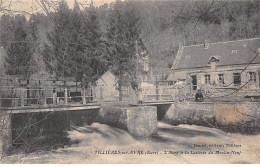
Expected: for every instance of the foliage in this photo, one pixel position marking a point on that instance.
(88, 41)
(122, 34)
(75, 43)
(20, 47)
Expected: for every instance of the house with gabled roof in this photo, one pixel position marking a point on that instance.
(108, 84)
(231, 64)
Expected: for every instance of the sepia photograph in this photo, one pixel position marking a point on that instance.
(129, 81)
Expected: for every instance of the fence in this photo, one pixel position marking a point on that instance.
(70, 95)
(158, 93)
(222, 91)
(29, 96)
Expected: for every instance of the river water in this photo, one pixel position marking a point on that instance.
(101, 143)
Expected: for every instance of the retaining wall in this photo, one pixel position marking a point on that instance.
(5, 133)
(230, 116)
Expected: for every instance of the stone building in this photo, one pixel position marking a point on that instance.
(107, 84)
(231, 64)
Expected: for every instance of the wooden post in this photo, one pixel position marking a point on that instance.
(160, 92)
(66, 96)
(45, 99)
(101, 95)
(84, 96)
(94, 96)
(174, 94)
(157, 89)
(22, 97)
(54, 97)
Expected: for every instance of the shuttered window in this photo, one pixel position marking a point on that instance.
(207, 79)
(252, 76)
(221, 79)
(237, 78)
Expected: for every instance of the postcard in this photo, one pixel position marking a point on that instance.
(129, 82)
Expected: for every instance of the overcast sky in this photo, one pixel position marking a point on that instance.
(31, 6)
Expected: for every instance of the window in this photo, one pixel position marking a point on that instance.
(221, 79)
(237, 78)
(207, 79)
(234, 51)
(170, 82)
(252, 76)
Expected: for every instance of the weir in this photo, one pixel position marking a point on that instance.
(139, 121)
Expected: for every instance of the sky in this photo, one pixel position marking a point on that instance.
(31, 6)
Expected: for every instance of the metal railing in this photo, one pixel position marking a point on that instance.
(53, 96)
(220, 91)
(25, 96)
(161, 93)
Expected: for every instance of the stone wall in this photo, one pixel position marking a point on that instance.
(240, 117)
(50, 123)
(139, 121)
(38, 128)
(5, 133)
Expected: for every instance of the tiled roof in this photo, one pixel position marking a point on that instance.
(228, 53)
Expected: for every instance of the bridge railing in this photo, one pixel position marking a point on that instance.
(160, 93)
(22, 96)
(59, 95)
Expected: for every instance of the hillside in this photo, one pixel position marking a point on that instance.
(164, 24)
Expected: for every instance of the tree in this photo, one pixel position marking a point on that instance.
(59, 40)
(19, 57)
(7, 28)
(34, 37)
(122, 33)
(76, 45)
(97, 45)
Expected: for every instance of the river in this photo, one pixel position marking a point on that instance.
(187, 144)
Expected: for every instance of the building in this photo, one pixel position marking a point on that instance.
(107, 83)
(231, 64)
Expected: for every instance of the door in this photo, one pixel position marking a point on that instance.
(194, 82)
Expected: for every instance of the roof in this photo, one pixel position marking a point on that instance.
(229, 53)
(170, 77)
(102, 76)
(125, 79)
